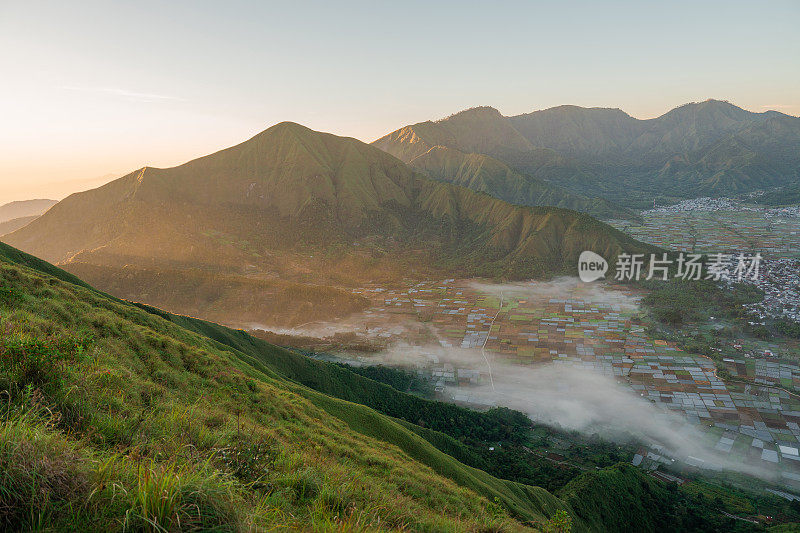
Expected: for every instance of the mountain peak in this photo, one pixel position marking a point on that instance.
(475, 113)
(708, 108)
(285, 128)
(291, 187)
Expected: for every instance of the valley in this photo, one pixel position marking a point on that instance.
(380, 267)
(727, 225)
(487, 345)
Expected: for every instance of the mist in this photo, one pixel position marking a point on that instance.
(559, 394)
(565, 395)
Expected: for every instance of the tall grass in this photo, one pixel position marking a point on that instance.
(114, 419)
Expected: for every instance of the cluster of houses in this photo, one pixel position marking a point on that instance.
(780, 280)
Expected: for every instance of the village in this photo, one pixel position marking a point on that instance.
(779, 279)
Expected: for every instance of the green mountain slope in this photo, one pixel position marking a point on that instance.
(130, 409)
(120, 416)
(482, 173)
(707, 148)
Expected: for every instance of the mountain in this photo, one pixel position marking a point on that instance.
(787, 195)
(309, 208)
(120, 417)
(711, 148)
(24, 208)
(15, 223)
(483, 173)
(470, 148)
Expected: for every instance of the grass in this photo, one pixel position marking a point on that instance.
(122, 417)
(116, 419)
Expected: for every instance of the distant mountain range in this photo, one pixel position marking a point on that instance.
(15, 215)
(15, 223)
(24, 208)
(303, 207)
(711, 148)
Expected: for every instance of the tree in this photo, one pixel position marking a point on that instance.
(560, 522)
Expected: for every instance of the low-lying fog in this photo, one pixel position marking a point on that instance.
(558, 394)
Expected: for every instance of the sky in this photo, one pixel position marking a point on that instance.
(92, 90)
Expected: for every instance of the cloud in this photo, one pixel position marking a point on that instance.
(126, 94)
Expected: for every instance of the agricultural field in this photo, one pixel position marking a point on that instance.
(705, 225)
(453, 332)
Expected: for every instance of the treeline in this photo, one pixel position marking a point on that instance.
(676, 302)
(398, 378)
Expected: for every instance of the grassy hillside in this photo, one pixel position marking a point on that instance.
(118, 418)
(148, 419)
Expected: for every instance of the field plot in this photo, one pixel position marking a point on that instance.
(719, 225)
(591, 328)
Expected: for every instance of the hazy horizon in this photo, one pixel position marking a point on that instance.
(95, 91)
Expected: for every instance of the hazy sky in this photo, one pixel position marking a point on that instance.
(93, 90)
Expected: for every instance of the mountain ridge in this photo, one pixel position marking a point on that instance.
(291, 177)
(604, 152)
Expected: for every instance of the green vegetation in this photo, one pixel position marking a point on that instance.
(677, 302)
(704, 317)
(398, 378)
(788, 328)
(787, 195)
(614, 499)
(114, 418)
(120, 416)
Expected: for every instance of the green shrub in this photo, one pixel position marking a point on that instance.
(36, 360)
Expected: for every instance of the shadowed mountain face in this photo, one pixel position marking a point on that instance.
(307, 207)
(483, 173)
(709, 148)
